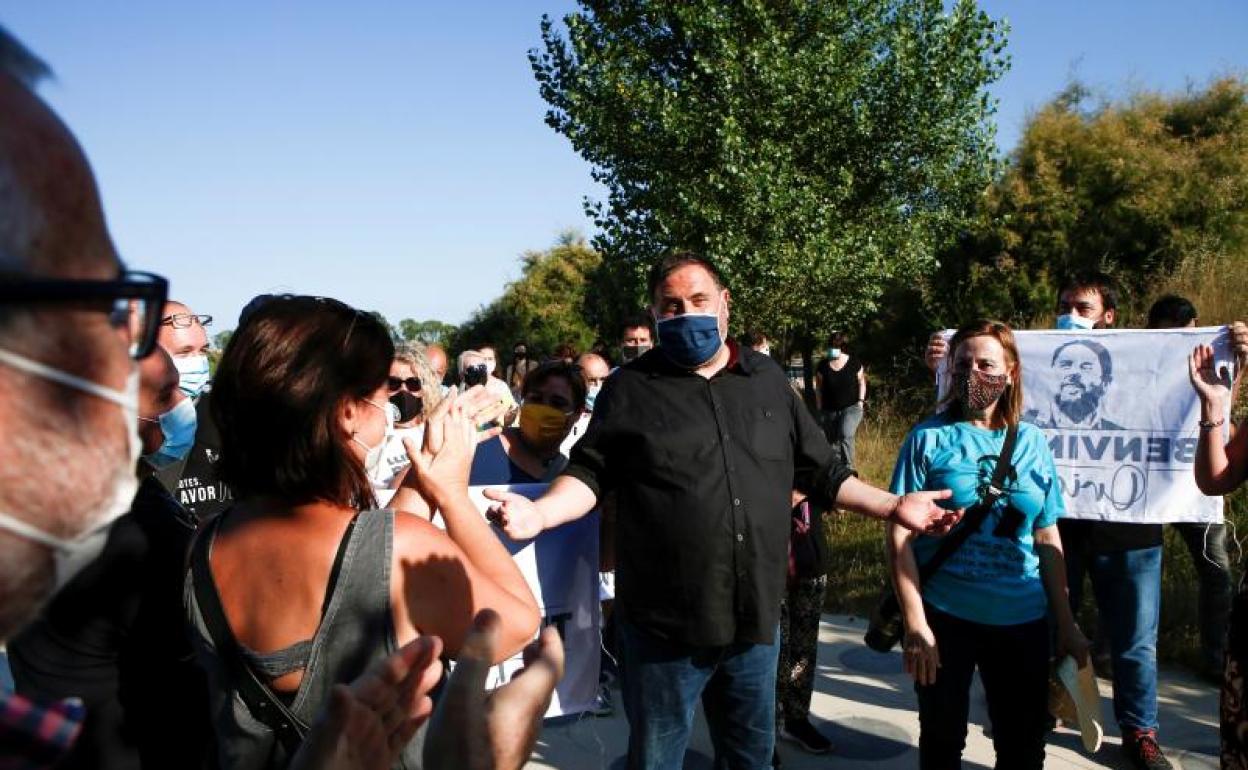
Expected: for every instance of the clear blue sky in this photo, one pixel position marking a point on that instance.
(393, 154)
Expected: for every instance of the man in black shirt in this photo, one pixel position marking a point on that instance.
(192, 480)
(703, 442)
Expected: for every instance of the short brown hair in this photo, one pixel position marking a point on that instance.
(1012, 398)
(571, 373)
(277, 393)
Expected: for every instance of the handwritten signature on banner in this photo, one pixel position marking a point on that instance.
(1114, 468)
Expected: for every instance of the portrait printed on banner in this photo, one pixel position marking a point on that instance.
(1082, 371)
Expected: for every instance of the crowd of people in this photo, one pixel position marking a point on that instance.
(275, 561)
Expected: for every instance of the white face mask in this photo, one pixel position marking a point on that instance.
(373, 454)
(70, 555)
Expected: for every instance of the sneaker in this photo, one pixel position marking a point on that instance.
(603, 706)
(804, 733)
(1142, 749)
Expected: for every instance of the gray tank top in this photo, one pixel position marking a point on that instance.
(356, 630)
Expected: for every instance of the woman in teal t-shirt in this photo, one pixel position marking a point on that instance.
(988, 605)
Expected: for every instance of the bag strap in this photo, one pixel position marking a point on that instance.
(974, 517)
(263, 704)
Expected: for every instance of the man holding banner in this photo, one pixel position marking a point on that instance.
(702, 440)
(1122, 425)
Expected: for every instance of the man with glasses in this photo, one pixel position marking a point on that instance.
(193, 480)
(72, 323)
(184, 338)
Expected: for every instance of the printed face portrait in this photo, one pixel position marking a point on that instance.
(1082, 369)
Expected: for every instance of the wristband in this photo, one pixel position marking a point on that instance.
(1210, 425)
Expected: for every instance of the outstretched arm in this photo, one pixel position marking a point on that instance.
(567, 499)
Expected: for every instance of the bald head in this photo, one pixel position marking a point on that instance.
(594, 368)
(51, 221)
(52, 225)
(437, 360)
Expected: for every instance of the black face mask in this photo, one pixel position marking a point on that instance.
(410, 405)
(520, 354)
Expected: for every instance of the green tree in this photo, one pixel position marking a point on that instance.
(817, 151)
(428, 332)
(544, 307)
(1140, 187)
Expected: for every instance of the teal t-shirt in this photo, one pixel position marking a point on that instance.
(994, 577)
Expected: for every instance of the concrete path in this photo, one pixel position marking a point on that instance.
(865, 703)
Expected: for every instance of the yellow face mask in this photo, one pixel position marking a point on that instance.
(542, 426)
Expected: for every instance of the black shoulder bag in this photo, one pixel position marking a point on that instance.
(264, 705)
(885, 628)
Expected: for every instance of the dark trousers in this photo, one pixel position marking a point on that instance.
(1013, 663)
(1207, 545)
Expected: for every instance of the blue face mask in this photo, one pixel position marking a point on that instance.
(178, 425)
(1072, 321)
(192, 374)
(690, 340)
(591, 395)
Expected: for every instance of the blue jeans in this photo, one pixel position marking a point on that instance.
(661, 682)
(1127, 585)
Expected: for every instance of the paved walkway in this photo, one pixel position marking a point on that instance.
(866, 705)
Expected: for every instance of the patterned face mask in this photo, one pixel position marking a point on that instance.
(978, 390)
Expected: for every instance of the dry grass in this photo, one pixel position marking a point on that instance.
(857, 544)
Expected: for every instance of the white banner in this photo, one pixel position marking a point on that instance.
(1121, 417)
(561, 567)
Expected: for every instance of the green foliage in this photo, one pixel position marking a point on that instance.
(818, 152)
(545, 307)
(1142, 188)
(221, 339)
(428, 332)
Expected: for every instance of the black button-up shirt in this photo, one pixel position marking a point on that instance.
(703, 471)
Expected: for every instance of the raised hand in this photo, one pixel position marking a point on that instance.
(367, 724)
(919, 512)
(1213, 387)
(443, 462)
(476, 730)
(937, 349)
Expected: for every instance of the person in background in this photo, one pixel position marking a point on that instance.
(841, 395)
(473, 370)
(554, 395)
(800, 609)
(521, 364)
(594, 370)
(599, 348)
(438, 362)
(499, 388)
(1221, 467)
(414, 392)
(565, 353)
(114, 636)
(1122, 559)
(1206, 541)
(755, 340)
(192, 478)
(635, 338)
(704, 502)
(983, 608)
(184, 336)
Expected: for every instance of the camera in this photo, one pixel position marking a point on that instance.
(475, 375)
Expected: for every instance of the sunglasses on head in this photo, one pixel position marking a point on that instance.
(412, 383)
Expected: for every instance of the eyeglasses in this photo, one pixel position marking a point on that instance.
(186, 320)
(412, 383)
(133, 302)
